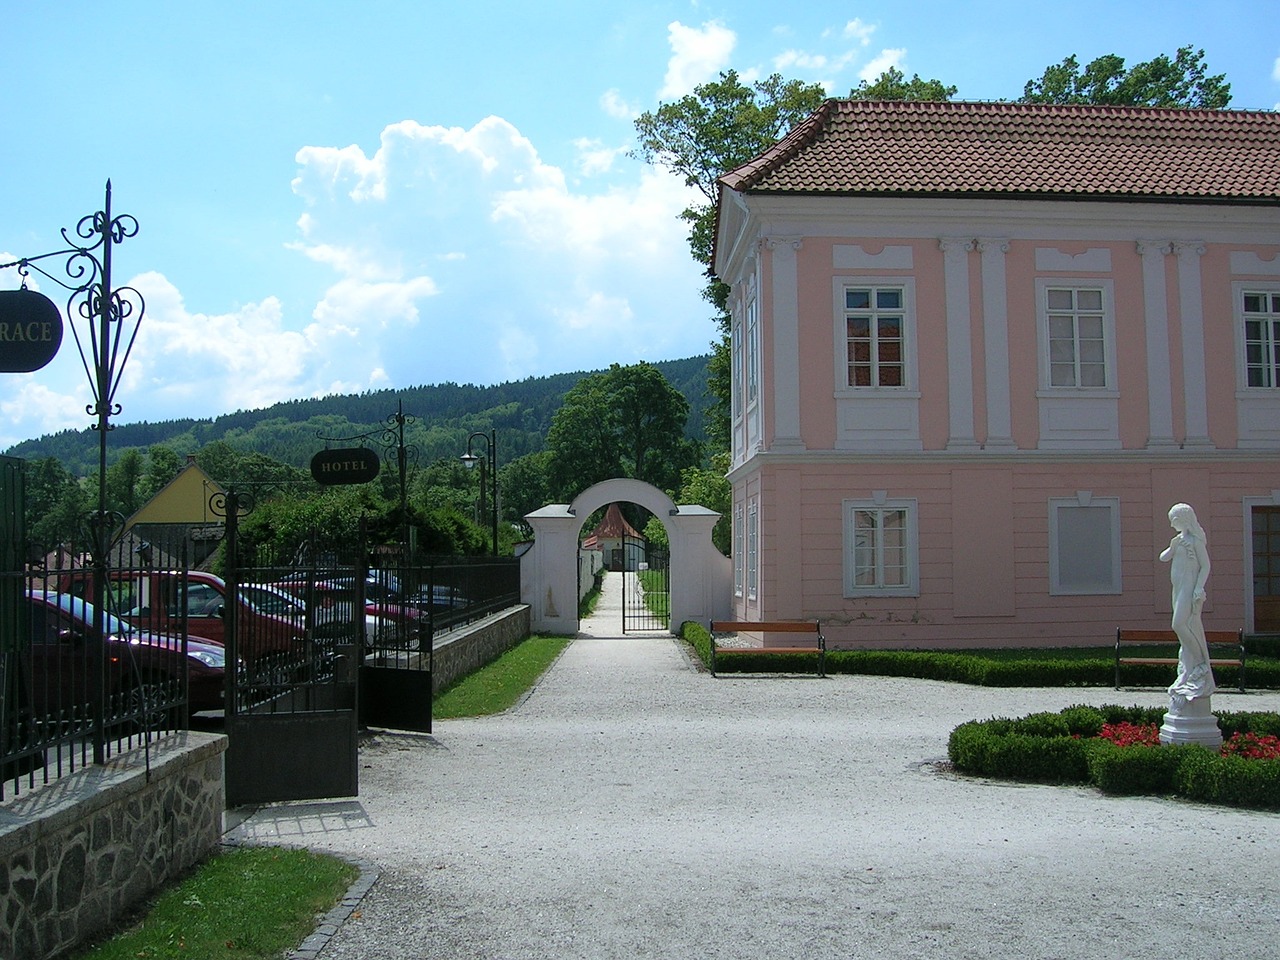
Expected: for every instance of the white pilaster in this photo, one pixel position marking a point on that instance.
(955, 252)
(1156, 320)
(786, 344)
(995, 329)
(1191, 304)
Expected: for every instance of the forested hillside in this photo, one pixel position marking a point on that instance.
(441, 418)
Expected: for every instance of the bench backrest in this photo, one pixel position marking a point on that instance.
(1168, 636)
(778, 626)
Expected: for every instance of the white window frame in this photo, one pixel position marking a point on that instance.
(1270, 340)
(881, 505)
(1058, 508)
(753, 549)
(1107, 288)
(736, 386)
(908, 311)
(739, 550)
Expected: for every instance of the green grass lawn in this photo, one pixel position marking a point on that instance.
(498, 686)
(249, 903)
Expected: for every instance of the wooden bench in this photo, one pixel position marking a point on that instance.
(1234, 638)
(773, 626)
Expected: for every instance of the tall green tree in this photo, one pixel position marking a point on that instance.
(626, 422)
(124, 481)
(894, 85)
(56, 503)
(721, 125)
(1160, 82)
(163, 464)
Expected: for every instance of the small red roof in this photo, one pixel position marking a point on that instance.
(613, 525)
(1021, 150)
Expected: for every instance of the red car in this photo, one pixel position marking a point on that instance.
(138, 664)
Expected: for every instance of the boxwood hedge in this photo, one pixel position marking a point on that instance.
(1064, 748)
(1094, 667)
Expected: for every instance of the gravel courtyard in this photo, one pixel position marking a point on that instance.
(632, 807)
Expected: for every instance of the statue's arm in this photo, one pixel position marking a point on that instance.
(1202, 576)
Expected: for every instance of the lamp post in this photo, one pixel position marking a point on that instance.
(488, 464)
(104, 320)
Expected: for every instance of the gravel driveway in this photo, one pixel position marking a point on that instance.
(634, 807)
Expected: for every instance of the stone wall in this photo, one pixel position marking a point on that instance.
(78, 854)
(469, 648)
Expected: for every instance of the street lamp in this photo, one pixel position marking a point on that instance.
(488, 464)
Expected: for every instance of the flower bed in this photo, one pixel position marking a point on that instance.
(1117, 749)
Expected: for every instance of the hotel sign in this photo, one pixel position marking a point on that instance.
(30, 331)
(352, 465)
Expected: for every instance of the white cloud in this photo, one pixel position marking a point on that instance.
(857, 30)
(612, 103)
(698, 54)
(1275, 70)
(524, 264)
(882, 62)
(595, 158)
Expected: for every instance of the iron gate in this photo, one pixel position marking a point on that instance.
(646, 589)
(291, 719)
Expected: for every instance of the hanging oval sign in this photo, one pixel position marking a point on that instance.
(30, 331)
(353, 465)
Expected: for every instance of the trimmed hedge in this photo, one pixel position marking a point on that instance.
(996, 668)
(1064, 748)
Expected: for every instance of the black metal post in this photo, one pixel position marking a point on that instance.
(104, 312)
(490, 461)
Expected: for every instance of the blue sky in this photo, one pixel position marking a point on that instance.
(338, 197)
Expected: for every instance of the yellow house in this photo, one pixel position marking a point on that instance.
(184, 506)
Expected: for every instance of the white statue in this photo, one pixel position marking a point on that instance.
(1188, 573)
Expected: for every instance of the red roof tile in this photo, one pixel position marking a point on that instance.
(613, 525)
(1017, 149)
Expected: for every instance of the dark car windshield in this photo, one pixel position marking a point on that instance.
(83, 610)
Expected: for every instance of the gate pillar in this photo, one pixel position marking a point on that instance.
(701, 576)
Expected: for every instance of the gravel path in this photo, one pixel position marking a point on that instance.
(634, 807)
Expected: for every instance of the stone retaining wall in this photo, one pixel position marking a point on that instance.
(77, 855)
(462, 651)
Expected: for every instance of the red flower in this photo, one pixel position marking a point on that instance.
(1125, 734)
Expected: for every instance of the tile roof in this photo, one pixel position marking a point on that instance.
(613, 525)
(906, 148)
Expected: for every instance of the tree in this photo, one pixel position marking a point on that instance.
(1160, 82)
(627, 422)
(721, 125)
(163, 464)
(56, 503)
(523, 486)
(124, 479)
(893, 85)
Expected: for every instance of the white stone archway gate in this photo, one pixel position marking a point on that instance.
(701, 576)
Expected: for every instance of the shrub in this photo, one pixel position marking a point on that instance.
(1133, 770)
(1083, 721)
(699, 638)
(1070, 747)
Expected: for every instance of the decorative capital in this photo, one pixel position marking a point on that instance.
(953, 246)
(1188, 248)
(992, 244)
(781, 243)
(1154, 248)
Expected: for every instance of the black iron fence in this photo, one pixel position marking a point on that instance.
(70, 692)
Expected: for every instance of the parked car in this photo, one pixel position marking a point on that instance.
(154, 600)
(138, 663)
(440, 599)
(393, 624)
(332, 618)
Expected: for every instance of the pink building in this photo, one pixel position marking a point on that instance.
(979, 349)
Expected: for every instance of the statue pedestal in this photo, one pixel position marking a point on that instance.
(1190, 721)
